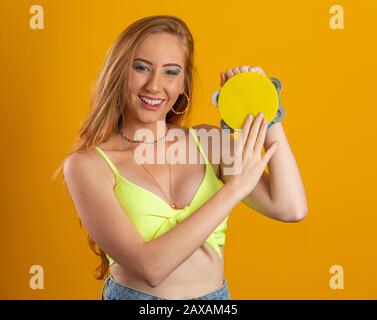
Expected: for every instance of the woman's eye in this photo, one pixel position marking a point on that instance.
(143, 68)
(172, 72)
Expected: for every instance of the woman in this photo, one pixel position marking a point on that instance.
(160, 227)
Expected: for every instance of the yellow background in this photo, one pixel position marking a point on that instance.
(329, 90)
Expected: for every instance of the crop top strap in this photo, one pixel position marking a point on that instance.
(109, 162)
(199, 145)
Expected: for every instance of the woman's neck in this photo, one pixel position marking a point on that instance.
(148, 133)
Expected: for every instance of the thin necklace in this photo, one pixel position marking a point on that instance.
(172, 203)
(141, 141)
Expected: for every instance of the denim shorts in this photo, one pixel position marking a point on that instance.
(118, 291)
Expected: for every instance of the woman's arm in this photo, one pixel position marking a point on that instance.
(170, 250)
(89, 183)
(280, 194)
(286, 186)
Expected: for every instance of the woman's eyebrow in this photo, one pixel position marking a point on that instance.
(165, 65)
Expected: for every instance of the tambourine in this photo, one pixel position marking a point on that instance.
(248, 93)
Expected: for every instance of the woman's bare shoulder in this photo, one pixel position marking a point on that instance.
(82, 164)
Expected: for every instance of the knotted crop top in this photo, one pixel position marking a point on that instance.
(152, 216)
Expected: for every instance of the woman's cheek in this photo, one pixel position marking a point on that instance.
(175, 86)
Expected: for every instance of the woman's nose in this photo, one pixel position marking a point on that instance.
(154, 83)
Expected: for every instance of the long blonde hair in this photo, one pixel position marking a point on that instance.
(107, 103)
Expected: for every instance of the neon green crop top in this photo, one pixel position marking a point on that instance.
(152, 216)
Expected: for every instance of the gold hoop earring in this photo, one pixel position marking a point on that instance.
(188, 102)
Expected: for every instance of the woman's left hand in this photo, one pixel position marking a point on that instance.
(224, 76)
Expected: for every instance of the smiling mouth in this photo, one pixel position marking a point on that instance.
(149, 104)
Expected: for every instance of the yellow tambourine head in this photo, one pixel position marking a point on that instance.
(247, 93)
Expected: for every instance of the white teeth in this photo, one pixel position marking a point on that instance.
(149, 101)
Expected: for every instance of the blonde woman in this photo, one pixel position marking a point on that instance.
(159, 228)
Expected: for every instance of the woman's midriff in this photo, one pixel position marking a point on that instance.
(199, 275)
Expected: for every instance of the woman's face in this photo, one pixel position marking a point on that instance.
(156, 77)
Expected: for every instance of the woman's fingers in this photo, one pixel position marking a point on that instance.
(261, 137)
(244, 68)
(245, 130)
(229, 73)
(236, 70)
(254, 132)
(257, 69)
(222, 78)
(269, 153)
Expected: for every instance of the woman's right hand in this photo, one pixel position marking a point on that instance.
(252, 164)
